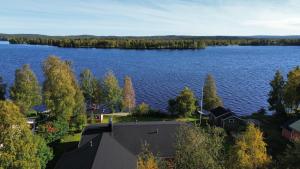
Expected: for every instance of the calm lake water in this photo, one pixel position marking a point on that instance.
(242, 73)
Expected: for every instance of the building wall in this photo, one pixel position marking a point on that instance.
(290, 134)
(231, 123)
(295, 135)
(286, 133)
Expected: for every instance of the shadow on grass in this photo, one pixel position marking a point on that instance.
(59, 149)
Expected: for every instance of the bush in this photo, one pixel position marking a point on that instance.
(142, 109)
(79, 121)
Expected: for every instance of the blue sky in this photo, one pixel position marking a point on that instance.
(155, 17)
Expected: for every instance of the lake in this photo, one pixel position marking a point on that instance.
(242, 73)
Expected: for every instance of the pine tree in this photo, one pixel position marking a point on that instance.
(128, 94)
(112, 92)
(276, 94)
(2, 89)
(25, 91)
(211, 99)
(249, 151)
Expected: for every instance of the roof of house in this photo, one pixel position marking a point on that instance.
(219, 111)
(41, 108)
(295, 125)
(118, 146)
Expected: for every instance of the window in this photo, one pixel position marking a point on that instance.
(231, 120)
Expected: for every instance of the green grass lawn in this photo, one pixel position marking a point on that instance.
(73, 137)
(129, 118)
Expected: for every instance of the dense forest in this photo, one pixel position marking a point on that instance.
(149, 42)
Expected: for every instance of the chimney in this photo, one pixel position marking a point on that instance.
(110, 124)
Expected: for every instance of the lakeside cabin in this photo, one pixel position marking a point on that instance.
(225, 118)
(291, 130)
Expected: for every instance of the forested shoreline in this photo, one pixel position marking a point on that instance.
(149, 42)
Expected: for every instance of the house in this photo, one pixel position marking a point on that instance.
(224, 118)
(116, 146)
(291, 130)
(31, 121)
(41, 109)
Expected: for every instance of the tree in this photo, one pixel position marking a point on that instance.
(79, 118)
(80, 121)
(89, 86)
(249, 151)
(19, 147)
(59, 90)
(276, 94)
(2, 89)
(128, 95)
(112, 92)
(26, 91)
(142, 109)
(200, 148)
(184, 104)
(291, 156)
(44, 153)
(211, 99)
(292, 90)
(63, 97)
(146, 159)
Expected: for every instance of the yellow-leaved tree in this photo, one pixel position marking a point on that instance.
(146, 159)
(249, 151)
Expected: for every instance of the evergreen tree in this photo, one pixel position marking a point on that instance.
(211, 99)
(276, 94)
(2, 89)
(249, 151)
(25, 91)
(89, 86)
(292, 90)
(128, 94)
(112, 92)
(18, 146)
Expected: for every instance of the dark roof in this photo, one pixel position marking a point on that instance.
(118, 147)
(81, 158)
(227, 115)
(219, 111)
(40, 108)
(112, 155)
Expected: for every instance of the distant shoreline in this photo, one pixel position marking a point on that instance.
(149, 42)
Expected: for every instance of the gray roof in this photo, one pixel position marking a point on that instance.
(219, 111)
(296, 125)
(118, 147)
